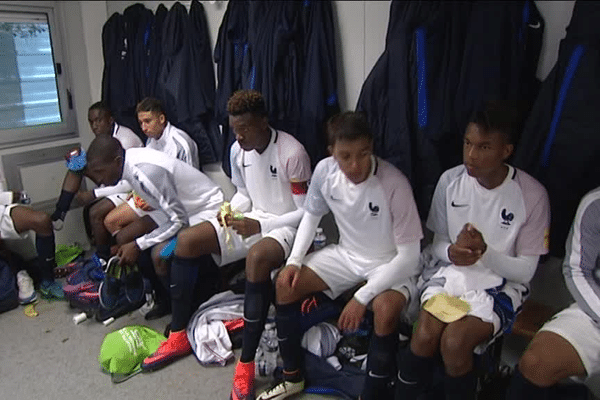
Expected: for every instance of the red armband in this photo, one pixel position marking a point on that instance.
(299, 187)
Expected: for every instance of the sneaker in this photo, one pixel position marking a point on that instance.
(92, 268)
(159, 310)
(110, 288)
(27, 293)
(172, 349)
(134, 284)
(282, 390)
(243, 382)
(52, 290)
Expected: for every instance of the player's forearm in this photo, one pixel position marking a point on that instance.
(241, 201)
(402, 267)
(291, 219)
(304, 238)
(121, 187)
(516, 269)
(440, 247)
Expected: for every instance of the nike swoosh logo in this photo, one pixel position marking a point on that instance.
(334, 199)
(459, 205)
(246, 165)
(536, 26)
(372, 375)
(405, 382)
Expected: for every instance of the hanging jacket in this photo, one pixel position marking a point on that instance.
(560, 143)
(319, 81)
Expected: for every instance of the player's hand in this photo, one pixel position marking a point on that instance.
(129, 253)
(85, 197)
(462, 256)
(245, 227)
(351, 316)
(289, 276)
(469, 237)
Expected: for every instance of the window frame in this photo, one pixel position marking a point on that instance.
(67, 128)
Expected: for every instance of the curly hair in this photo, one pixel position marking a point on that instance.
(247, 101)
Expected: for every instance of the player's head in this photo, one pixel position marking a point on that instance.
(248, 119)
(351, 144)
(105, 158)
(100, 119)
(488, 140)
(151, 116)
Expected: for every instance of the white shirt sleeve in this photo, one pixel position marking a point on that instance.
(403, 266)
(121, 187)
(304, 238)
(291, 218)
(518, 269)
(241, 200)
(6, 198)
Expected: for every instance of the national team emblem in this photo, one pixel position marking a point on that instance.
(507, 217)
(374, 209)
(273, 171)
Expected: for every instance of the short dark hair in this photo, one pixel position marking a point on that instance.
(349, 125)
(104, 149)
(101, 106)
(150, 104)
(247, 101)
(499, 116)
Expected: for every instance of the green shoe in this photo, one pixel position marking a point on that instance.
(52, 290)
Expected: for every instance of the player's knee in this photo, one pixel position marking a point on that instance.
(258, 264)
(283, 291)
(160, 267)
(386, 313)
(186, 242)
(111, 222)
(536, 368)
(455, 349)
(42, 223)
(99, 211)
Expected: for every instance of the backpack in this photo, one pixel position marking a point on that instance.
(9, 298)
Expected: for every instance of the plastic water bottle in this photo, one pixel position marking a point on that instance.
(320, 240)
(24, 198)
(268, 350)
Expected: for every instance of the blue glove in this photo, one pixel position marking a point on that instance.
(77, 162)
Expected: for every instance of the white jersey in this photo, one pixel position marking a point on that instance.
(170, 185)
(126, 136)
(583, 249)
(269, 177)
(177, 144)
(373, 216)
(513, 217)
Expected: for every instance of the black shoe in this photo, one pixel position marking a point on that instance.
(159, 310)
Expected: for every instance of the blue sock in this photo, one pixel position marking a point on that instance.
(522, 389)
(289, 336)
(46, 251)
(256, 306)
(414, 375)
(184, 272)
(380, 359)
(461, 387)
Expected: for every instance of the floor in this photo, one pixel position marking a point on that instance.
(49, 357)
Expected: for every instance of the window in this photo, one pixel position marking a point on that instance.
(35, 105)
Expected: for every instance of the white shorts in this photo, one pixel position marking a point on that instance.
(118, 198)
(238, 246)
(7, 226)
(341, 271)
(577, 328)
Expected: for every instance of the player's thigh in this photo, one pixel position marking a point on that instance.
(549, 359)
(121, 216)
(25, 219)
(197, 240)
(264, 256)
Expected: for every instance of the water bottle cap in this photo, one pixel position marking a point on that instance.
(319, 230)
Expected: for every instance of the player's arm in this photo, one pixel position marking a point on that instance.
(583, 250)
(166, 196)
(241, 200)
(304, 238)
(291, 218)
(403, 266)
(121, 187)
